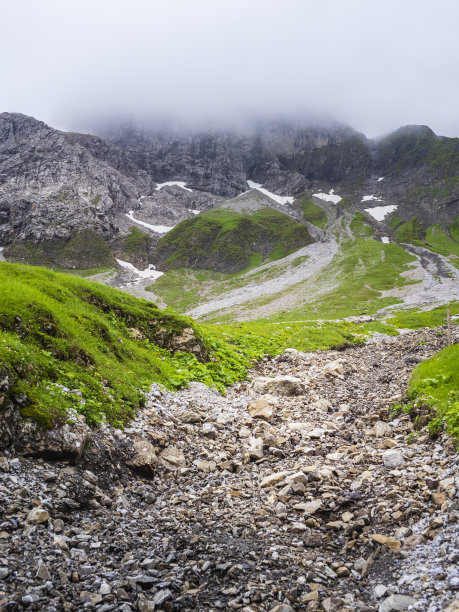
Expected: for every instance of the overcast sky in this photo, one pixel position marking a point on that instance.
(373, 64)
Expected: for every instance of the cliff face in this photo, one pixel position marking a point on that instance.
(282, 156)
(53, 185)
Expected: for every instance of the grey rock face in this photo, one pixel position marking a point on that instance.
(283, 156)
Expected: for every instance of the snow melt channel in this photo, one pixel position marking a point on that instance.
(328, 197)
(149, 272)
(277, 198)
(379, 212)
(160, 229)
(180, 184)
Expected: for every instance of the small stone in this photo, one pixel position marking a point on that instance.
(161, 597)
(380, 590)
(4, 573)
(298, 527)
(382, 429)
(207, 466)
(282, 608)
(172, 458)
(260, 409)
(392, 459)
(272, 479)
(432, 483)
(309, 507)
(254, 448)
(43, 572)
(4, 465)
(105, 589)
(37, 516)
(389, 541)
(439, 498)
(209, 431)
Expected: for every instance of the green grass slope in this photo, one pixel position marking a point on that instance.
(435, 383)
(85, 250)
(226, 241)
(69, 346)
(313, 213)
(59, 332)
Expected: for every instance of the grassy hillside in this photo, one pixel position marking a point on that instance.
(435, 383)
(313, 213)
(417, 145)
(85, 250)
(60, 333)
(226, 241)
(69, 346)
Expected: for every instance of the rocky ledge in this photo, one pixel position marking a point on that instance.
(299, 490)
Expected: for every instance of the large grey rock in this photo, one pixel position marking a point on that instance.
(392, 459)
(396, 602)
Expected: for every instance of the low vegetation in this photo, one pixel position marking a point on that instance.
(313, 213)
(434, 384)
(413, 318)
(85, 250)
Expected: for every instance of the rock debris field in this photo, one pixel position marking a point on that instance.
(299, 490)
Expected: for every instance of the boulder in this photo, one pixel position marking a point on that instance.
(279, 385)
(66, 442)
(144, 457)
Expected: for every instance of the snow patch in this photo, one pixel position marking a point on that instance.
(160, 229)
(385, 239)
(2, 257)
(328, 197)
(277, 198)
(371, 197)
(195, 212)
(379, 212)
(381, 178)
(180, 184)
(149, 272)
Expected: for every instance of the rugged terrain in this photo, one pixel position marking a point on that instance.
(302, 489)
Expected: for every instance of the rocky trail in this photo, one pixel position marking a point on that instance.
(299, 490)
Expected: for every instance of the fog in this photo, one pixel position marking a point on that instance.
(375, 65)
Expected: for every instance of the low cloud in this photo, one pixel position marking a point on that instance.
(375, 65)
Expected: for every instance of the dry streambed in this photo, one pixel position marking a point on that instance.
(297, 491)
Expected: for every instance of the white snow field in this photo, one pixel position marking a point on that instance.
(332, 197)
(379, 212)
(160, 229)
(371, 197)
(181, 184)
(277, 198)
(149, 272)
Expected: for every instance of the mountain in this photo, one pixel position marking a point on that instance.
(230, 201)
